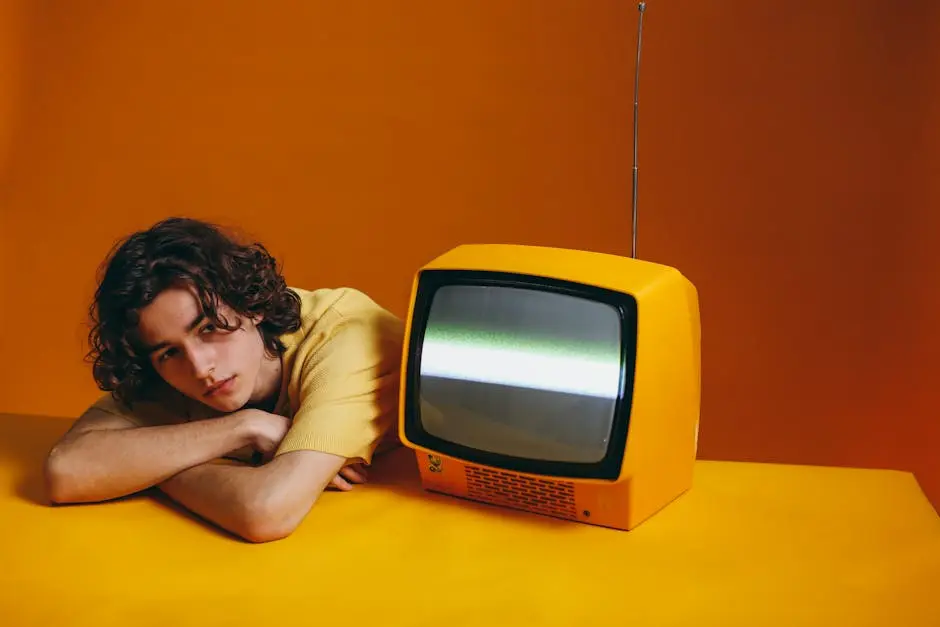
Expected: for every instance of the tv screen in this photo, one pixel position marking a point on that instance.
(531, 373)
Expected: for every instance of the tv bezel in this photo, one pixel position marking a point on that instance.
(609, 467)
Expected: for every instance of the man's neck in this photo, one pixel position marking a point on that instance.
(270, 375)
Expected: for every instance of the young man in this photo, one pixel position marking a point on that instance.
(208, 357)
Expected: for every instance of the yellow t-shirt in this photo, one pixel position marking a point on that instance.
(339, 383)
(341, 375)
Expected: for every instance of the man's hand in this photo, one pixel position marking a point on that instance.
(349, 476)
(266, 431)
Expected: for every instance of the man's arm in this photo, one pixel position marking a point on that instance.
(259, 504)
(348, 401)
(105, 456)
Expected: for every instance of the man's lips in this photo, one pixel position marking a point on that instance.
(221, 386)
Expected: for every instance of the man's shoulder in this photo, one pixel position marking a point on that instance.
(330, 312)
(323, 308)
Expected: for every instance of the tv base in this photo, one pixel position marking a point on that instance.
(610, 504)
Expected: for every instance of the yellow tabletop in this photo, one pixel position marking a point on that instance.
(755, 545)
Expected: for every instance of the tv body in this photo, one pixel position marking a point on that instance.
(559, 382)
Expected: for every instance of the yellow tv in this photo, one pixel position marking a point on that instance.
(560, 382)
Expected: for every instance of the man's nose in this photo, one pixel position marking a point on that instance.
(202, 361)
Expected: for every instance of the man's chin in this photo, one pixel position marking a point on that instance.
(223, 405)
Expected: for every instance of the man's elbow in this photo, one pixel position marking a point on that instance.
(259, 530)
(267, 520)
(60, 483)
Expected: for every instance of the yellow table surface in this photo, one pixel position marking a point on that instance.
(751, 544)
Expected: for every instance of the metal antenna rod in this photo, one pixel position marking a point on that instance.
(636, 111)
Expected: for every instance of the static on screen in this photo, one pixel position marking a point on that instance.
(522, 372)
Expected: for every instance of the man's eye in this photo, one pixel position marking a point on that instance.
(165, 355)
(209, 328)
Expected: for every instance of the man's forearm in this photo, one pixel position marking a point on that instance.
(227, 494)
(259, 504)
(109, 463)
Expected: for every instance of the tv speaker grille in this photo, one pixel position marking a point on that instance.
(552, 498)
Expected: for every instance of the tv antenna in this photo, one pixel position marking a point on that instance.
(641, 7)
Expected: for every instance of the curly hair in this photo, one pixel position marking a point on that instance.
(172, 253)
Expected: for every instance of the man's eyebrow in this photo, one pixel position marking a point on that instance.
(192, 325)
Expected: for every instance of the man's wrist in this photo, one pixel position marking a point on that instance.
(244, 426)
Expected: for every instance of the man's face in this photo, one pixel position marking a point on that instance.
(215, 367)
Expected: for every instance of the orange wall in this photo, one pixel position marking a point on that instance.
(785, 169)
(913, 368)
(13, 28)
(14, 25)
(775, 171)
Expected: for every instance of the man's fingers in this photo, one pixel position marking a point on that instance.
(353, 473)
(341, 484)
(348, 476)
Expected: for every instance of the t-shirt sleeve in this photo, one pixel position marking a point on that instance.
(348, 389)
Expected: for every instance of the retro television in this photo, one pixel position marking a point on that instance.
(560, 382)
